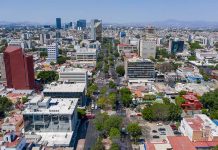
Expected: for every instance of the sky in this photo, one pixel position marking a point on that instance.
(110, 11)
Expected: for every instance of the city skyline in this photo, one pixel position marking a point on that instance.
(123, 11)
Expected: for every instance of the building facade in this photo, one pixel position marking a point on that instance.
(96, 29)
(139, 68)
(2, 68)
(19, 68)
(147, 49)
(81, 24)
(58, 23)
(75, 75)
(176, 46)
(66, 90)
(52, 52)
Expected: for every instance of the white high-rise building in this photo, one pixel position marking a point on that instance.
(148, 44)
(2, 68)
(147, 49)
(52, 52)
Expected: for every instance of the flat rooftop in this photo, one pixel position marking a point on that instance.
(10, 49)
(68, 88)
(138, 59)
(55, 138)
(55, 106)
(71, 69)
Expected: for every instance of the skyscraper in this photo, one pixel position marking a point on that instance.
(96, 29)
(81, 24)
(58, 23)
(19, 68)
(148, 44)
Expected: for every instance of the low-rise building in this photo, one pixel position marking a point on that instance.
(86, 55)
(66, 90)
(54, 119)
(127, 48)
(12, 141)
(199, 128)
(13, 123)
(73, 75)
(139, 69)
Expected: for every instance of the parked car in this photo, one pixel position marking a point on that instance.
(161, 129)
(177, 132)
(154, 131)
(162, 133)
(156, 137)
(173, 127)
(159, 124)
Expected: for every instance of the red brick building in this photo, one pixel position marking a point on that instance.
(191, 102)
(19, 68)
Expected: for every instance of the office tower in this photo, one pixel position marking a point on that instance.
(139, 68)
(70, 24)
(176, 46)
(19, 68)
(2, 68)
(96, 29)
(52, 52)
(41, 39)
(148, 44)
(147, 49)
(58, 34)
(58, 23)
(81, 24)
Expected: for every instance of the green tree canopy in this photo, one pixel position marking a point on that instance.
(134, 130)
(120, 70)
(48, 76)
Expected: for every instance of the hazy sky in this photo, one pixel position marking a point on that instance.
(119, 11)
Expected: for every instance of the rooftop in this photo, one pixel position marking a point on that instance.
(55, 138)
(180, 143)
(71, 69)
(10, 49)
(55, 87)
(55, 106)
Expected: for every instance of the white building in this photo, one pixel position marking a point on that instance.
(52, 118)
(147, 48)
(52, 52)
(205, 54)
(86, 55)
(75, 75)
(66, 90)
(17, 42)
(199, 128)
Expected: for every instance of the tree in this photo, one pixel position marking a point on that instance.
(160, 111)
(102, 102)
(103, 90)
(181, 93)
(179, 100)
(99, 121)
(112, 122)
(166, 100)
(114, 133)
(194, 46)
(147, 114)
(61, 60)
(98, 145)
(112, 84)
(120, 70)
(5, 105)
(134, 130)
(91, 89)
(24, 99)
(48, 76)
(215, 148)
(149, 97)
(81, 113)
(115, 146)
(126, 96)
(43, 54)
(52, 63)
(112, 98)
(175, 112)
